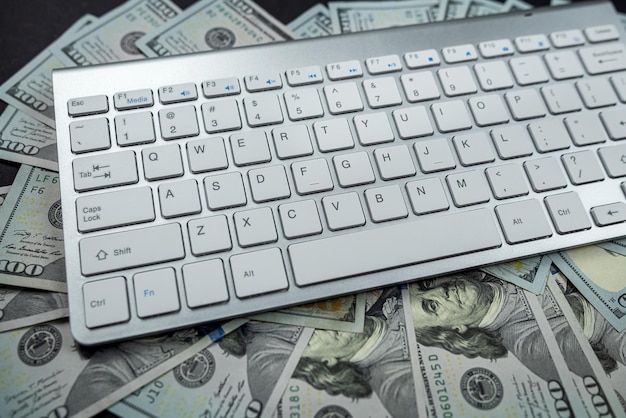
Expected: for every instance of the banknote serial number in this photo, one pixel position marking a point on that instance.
(440, 391)
(294, 401)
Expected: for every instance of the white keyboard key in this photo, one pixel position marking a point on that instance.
(345, 69)
(206, 154)
(262, 109)
(224, 191)
(304, 75)
(100, 211)
(343, 211)
(506, 181)
(137, 247)
(106, 170)
(601, 33)
(178, 122)
(549, 135)
(619, 84)
(614, 122)
(512, 142)
(303, 104)
(493, 75)
(258, 272)
(250, 148)
(105, 302)
(205, 283)
(255, 227)
(134, 128)
(420, 86)
(343, 98)
(162, 162)
(585, 129)
(596, 93)
(488, 110)
(300, 219)
(582, 167)
(311, 176)
(609, 214)
(459, 53)
(88, 105)
(467, 188)
(262, 81)
(209, 235)
(525, 104)
(565, 38)
(221, 87)
(269, 183)
(434, 155)
(373, 128)
(394, 162)
(156, 292)
(178, 93)
(604, 58)
(529, 70)
(564, 65)
(614, 159)
(532, 43)
(421, 59)
(457, 81)
(523, 221)
(383, 64)
(561, 98)
(451, 116)
(496, 48)
(427, 196)
(381, 92)
(545, 174)
(386, 203)
(394, 245)
(133, 99)
(179, 198)
(220, 116)
(292, 141)
(473, 148)
(353, 169)
(567, 212)
(90, 135)
(412, 122)
(333, 135)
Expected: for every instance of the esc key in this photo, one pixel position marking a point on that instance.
(88, 105)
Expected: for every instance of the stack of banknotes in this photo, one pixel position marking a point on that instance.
(542, 337)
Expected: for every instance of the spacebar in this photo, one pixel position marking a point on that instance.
(393, 246)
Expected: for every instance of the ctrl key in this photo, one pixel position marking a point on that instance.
(106, 302)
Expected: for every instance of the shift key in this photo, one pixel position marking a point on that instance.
(129, 249)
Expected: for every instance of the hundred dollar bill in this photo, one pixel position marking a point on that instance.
(26, 140)
(368, 374)
(606, 343)
(341, 314)
(30, 89)
(600, 276)
(453, 9)
(113, 37)
(514, 5)
(622, 17)
(4, 190)
(615, 245)
(482, 351)
(483, 7)
(528, 273)
(243, 375)
(31, 238)
(20, 308)
(313, 23)
(357, 16)
(46, 374)
(214, 24)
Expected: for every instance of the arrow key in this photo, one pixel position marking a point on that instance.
(610, 214)
(615, 123)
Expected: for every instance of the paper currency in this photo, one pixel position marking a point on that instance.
(368, 374)
(4, 190)
(30, 89)
(243, 375)
(357, 16)
(616, 245)
(312, 23)
(45, 373)
(20, 308)
(454, 9)
(340, 314)
(113, 37)
(31, 238)
(483, 8)
(528, 273)
(214, 24)
(26, 140)
(515, 5)
(482, 351)
(599, 275)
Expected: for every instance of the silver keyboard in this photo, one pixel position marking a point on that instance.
(207, 186)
